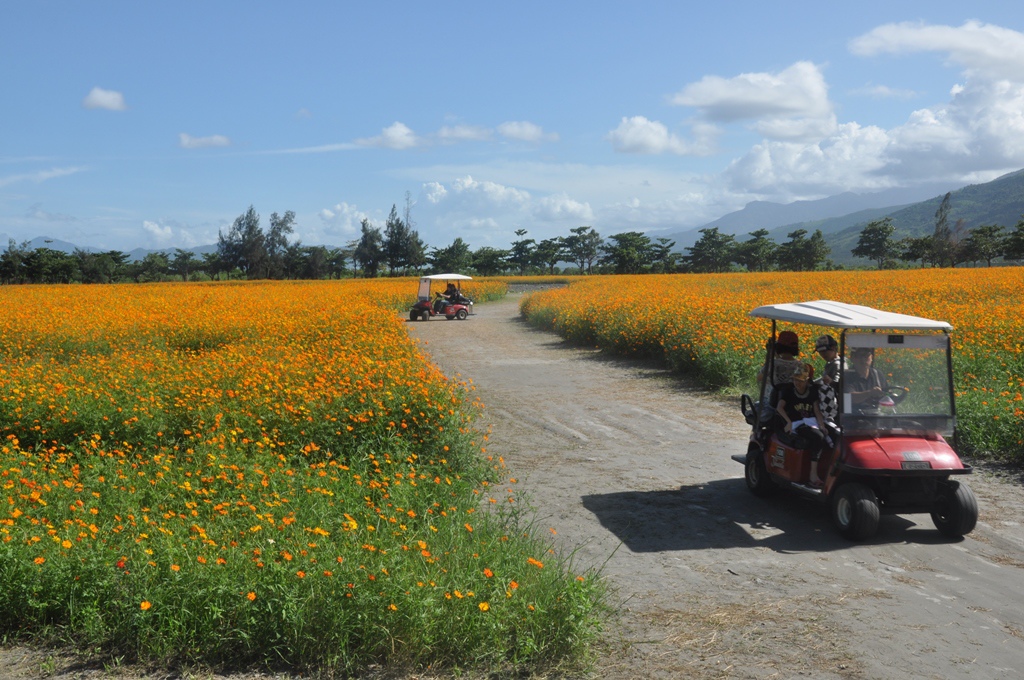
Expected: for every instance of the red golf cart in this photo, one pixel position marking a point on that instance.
(452, 305)
(894, 453)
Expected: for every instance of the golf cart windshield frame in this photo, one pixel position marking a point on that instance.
(885, 330)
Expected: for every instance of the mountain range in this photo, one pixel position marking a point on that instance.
(840, 218)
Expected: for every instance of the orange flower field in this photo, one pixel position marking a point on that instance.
(699, 324)
(255, 473)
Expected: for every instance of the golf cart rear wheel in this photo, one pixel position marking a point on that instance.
(461, 314)
(758, 480)
(957, 513)
(855, 511)
(414, 314)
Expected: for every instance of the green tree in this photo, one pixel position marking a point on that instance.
(1013, 247)
(452, 259)
(245, 246)
(489, 261)
(629, 252)
(396, 242)
(713, 251)
(12, 262)
(985, 242)
(521, 254)
(184, 263)
(876, 242)
(550, 252)
(277, 242)
(757, 253)
(802, 254)
(45, 265)
(942, 243)
(369, 251)
(663, 258)
(584, 247)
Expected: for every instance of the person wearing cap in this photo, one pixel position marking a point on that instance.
(783, 363)
(804, 426)
(828, 349)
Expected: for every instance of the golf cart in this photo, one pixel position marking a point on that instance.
(453, 305)
(892, 452)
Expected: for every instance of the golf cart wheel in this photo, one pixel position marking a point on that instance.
(461, 314)
(855, 511)
(414, 314)
(449, 316)
(957, 513)
(758, 480)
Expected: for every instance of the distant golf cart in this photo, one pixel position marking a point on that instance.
(454, 305)
(891, 454)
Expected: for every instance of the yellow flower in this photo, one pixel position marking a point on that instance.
(145, 605)
(484, 606)
(251, 596)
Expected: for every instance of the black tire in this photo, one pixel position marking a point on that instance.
(414, 314)
(957, 513)
(461, 314)
(759, 481)
(449, 316)
(855, 511)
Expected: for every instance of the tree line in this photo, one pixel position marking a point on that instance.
(947, 246)
(249, 251)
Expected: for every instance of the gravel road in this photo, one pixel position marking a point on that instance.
(632, 469)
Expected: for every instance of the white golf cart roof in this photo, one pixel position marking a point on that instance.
(842, 315)
(446, 277)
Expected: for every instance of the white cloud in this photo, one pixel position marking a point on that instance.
(525, 131)
(395, 136)
(160, 234)
(187, 141)
(885, 92)
(558, 208)
(98, 98)
(984, 50)
(463, 133)
(490, 192)
(340, 221)
(792, 103)
(39, 176)
(434, 192)
(642, 136)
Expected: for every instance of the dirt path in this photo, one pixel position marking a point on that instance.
(632, 471)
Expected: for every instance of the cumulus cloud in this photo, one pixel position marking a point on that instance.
(342, 218)
(642, 136)
(985, 50)
(525, 131)
(558, 208)
(161, 234)
(490, 192)
(187, 141)
(434, 192)
(395, 136)
(98, 98)
(791, 104)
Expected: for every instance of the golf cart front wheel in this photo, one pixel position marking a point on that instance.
(957, 513)
(855, 511)
(461, 314)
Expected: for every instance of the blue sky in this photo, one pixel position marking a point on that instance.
(140, 124)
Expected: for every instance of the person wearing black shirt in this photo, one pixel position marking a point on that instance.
(803, 428)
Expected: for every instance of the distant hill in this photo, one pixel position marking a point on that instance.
(1000, 201)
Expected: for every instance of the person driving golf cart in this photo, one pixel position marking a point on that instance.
(864, 383)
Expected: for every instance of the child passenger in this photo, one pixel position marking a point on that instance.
(803, 427)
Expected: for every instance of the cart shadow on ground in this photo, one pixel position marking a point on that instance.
(723, 514)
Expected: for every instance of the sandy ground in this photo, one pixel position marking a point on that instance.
(631, 468)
